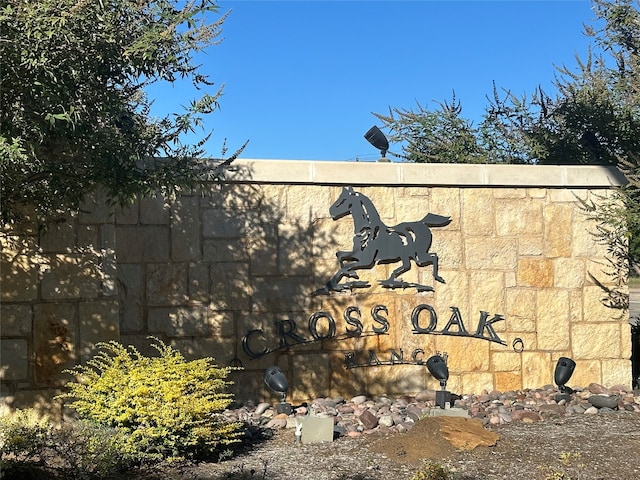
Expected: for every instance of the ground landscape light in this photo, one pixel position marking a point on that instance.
(563, 372)
(276, 381)
(437, 366)
(376, 138)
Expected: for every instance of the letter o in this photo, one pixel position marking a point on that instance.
(313, 326)
(415, 319)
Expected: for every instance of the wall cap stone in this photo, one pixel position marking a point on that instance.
(433, 174)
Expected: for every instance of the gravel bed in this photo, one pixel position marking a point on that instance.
(594, 435)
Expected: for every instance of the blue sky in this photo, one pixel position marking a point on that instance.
(302, 78)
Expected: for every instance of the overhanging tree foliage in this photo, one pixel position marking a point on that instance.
(592, 118)
(74, 116)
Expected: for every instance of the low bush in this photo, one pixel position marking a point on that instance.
(31, 447)
(169, 408)
(23, 435)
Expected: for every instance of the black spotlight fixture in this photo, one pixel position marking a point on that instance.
(437, 366)
(564, 370)
(376, 138)
(276, 381)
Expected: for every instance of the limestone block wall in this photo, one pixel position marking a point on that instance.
(234, 273)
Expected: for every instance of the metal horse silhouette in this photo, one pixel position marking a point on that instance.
(376, 243)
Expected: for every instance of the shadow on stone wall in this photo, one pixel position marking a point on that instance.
(58, 299)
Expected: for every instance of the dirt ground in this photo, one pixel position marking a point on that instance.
(594, 447)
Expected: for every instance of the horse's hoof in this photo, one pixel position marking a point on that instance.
(424, 288)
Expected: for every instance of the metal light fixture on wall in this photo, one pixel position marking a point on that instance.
(276, 381)
(437, 366)
(562, 374)
(376, 138)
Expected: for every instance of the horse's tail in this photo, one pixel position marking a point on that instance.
(433, 220)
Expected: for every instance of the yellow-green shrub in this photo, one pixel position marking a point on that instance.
(169, 407)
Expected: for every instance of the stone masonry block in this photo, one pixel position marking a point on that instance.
(388, 210)
(516, 323)
(537, 192)
(403, 379)
(625, 341)
(478, 211)
(131, 297)
(508, 381)
(199, 282)
(54, 342)
(520, 302)
(14, 362)
(586, 372)
(304, 203)
(590, 341)
(167, 283)
(594, 308)
(154, 210)
(129, 214)
(57, 238)
(476, 382)
(311, 377)
(15, 320)
(516, 217)
(537, 369)
(570, 195)
(490, 253)
(108, 261)
(553, 325)
(193, 348)
(41, 401)
(288, 294)
(575, 306)
(98, 322)
(535, 272)
(180, 321)
(223, 323)
(72, 276)
(530, 246)
(19, 279)
(185, 230)
(446, 202)
(506, 361)
(487, 292)
(225, 250)
(142, 244)
(584, 244)
(569, 272)
(230, 289)
(294, 252)
(454, 295)
(222, 223)
(616, 372)
(448, 246)
(263, 255)
(89, 234)
(557, 220)
(465, 354)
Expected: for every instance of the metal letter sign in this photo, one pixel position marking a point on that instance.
(376, 243)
